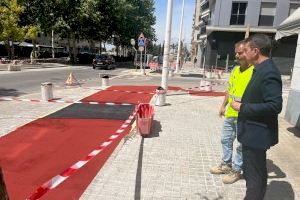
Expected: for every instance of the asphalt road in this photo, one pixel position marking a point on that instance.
(29, 80)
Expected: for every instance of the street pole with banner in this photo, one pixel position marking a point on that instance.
(166, 63)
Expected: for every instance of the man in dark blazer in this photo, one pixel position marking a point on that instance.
(258, 114)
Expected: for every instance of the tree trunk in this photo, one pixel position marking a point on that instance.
(69, 46)
(100, 50)
(117, 50)
(34, 54)
(13, 50)
(74, 49)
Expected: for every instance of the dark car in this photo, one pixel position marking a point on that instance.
(103, 62)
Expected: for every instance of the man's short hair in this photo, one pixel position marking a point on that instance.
(262, 42)
(241, 42)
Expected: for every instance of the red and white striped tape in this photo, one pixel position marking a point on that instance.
(126, 91)
(58, 179)
(64, 101)
(197, 87)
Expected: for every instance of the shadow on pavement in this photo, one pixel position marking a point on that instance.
(10, 92)
(138, 178)
(156, 129)
(278, 190)
(294, 130)
(274, 169)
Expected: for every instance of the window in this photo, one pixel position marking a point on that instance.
(267, 13)
(238, 13)
(293, 7)
(205, 6)
(203, 30)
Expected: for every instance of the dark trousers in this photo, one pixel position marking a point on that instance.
(255, 173)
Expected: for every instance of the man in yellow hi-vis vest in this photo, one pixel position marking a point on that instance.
(238, 81)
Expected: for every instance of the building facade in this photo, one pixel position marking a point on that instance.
(224, 22)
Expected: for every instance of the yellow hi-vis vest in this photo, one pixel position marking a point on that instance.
(237, 84)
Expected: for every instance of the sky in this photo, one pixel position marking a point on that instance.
(161, 12)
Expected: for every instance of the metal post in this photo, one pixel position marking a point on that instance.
(165, 70)
(135, 58)
(141, 63)
(145, 59)
(52, 40)
(180, 39)
(227, 63)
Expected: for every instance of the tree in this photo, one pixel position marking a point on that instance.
(11, 31)
(113, 21)
(32, 34)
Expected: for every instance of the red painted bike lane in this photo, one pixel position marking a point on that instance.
(42, 149)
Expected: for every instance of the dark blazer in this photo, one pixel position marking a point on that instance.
(261, 104)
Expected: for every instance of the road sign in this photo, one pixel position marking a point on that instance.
(141, 48)
(141, 40)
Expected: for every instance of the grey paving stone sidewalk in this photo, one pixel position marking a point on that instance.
(174, 161)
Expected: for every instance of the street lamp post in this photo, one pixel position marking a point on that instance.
(132, 42)
(166, 63)
(179, 40)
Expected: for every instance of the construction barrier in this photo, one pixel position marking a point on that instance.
(65, 101)
(71, 80)
(144, 118)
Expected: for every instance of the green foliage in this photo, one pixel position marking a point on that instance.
(9, 18)
(134, 17)
(115, 21)
(32, 32)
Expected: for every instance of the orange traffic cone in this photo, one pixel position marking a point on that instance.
(71, 80)
(3, 191)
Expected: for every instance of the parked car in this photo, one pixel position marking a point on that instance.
(103, 61)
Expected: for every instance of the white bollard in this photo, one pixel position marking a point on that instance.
(160, 97)
(208, 86)
(105, 81)
(46, 91)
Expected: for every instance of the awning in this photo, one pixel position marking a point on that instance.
(25, 44)
(210, 29)
(290, 26)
